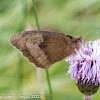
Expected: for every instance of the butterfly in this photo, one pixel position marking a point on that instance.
(44, 48)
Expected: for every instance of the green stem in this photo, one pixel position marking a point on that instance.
(35, 15)
(49, 84)
(38, 27)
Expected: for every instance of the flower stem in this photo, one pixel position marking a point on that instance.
(35, 15)
(38, 27)
(49, 84)
(87, 97)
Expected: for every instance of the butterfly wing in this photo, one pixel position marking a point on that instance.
(44, 48)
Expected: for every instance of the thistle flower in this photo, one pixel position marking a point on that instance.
(85, 67)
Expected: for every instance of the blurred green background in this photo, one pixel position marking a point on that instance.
(73, 17)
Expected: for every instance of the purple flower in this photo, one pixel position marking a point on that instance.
(85, 63)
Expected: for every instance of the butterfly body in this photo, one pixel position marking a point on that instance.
(44, 48)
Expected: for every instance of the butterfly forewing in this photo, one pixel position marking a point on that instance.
(44, 48)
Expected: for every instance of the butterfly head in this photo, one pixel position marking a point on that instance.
(77, 42)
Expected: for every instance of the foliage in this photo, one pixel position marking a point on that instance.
(73, 17)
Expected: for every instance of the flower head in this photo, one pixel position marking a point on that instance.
(85, 64)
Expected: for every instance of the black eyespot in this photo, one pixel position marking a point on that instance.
(70, 36)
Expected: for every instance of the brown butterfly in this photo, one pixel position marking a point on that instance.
(44, 48)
